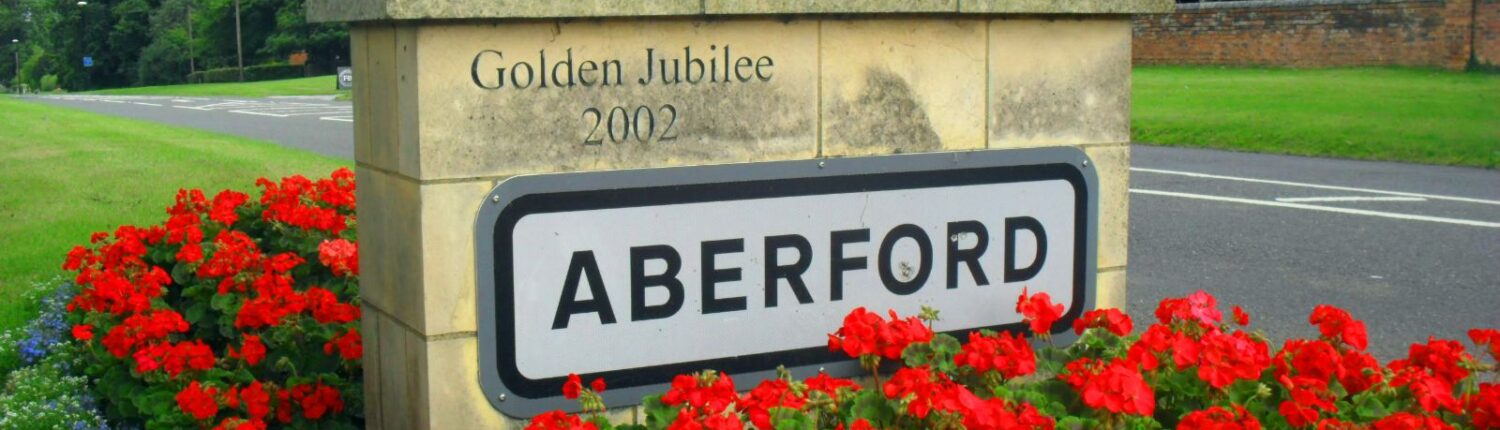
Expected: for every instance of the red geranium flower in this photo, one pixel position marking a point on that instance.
(1005, 353)
(573, 387)
(1443, 358)
(1240, 316)
(1297, 415)
(1077, 372)
(1224, 359)
(1487, 337)
(926, 389)
(558, 420)
(830, 385)
(1218, 418)
(197, 401)
(225, 203)
(1198, 308)
(597, 385)
(1337, 324)
(317, 400)
(1308, 365)
(1432, 392)
(256, 400)
(253, 350)
(1407, 421)
(1039, 311)
(1119, 388)
(341, 256)
(866, 333)
(1361, 371)
(1109, 319)
(1484, 407)
(771, 393)
(711, 392)
(83, 332)
(348, 345)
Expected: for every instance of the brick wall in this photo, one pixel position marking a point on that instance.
(1322, 33)
(1487, 32)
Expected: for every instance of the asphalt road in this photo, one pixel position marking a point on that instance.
(1400, 252)
(315, 124)
(1413, 250)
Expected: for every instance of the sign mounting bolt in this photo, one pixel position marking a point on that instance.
(502, 397)
(496, 198)
(822, 164)
(1085, 163)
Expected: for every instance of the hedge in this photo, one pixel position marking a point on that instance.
(263, 72)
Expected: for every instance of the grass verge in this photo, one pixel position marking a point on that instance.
(66, 173)
(317, 85)
(1410, 115)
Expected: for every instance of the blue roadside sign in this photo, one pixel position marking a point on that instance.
(88, 61)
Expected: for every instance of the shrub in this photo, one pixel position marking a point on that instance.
(49, 83)
(232, 311)
(1191, 369)
(263, 72)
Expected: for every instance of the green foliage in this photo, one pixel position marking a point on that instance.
(127, 38)
(48, 396)
(37, 64)
(145, 42)
(48, 83)
(166, 59)
(327, 45)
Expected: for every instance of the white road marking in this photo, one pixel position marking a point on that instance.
(1318, 186)
(1392, 215)
(276, 109)
(319, 112)
(249, 112)
(228, 105)
(1349, 199)
(284, 114)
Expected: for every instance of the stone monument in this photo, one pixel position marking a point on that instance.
(455, 96)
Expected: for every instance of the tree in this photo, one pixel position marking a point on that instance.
(127, 37)
(327, 45)
(165, 60)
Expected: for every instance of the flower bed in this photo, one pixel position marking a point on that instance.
(240, 313)
(1189, 370)
(41, 385)
(234, 312)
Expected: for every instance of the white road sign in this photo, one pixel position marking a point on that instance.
(636, 276)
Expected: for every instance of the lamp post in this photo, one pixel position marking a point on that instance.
(15, 45)
(239, 49)
(191, 67)
(83, 14)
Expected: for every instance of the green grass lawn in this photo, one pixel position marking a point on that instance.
(1423, 116)
(318, 85)
(66, 173)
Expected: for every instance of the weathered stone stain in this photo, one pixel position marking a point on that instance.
(886, 114)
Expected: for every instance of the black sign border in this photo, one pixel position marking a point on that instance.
(514, 394)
